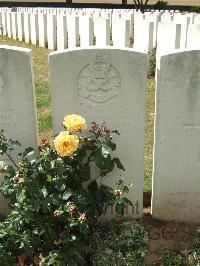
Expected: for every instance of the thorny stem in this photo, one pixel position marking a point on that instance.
(89, 158)
(8, 155)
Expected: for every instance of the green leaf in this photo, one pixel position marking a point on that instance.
(14, 143)
(103, 159)
(81, 152)
(120, 206)
(74, 224)
(119, 164)
(85, 172)
(66, 195)
(44, 192)
(73, 237)
(27, 152)
(127, 201)
(21, 196)
(60, 185)
(84, 229)
(3, 148)
(82, 246)
(10, 169)
(49, 178)
(111, 144)
(105, 151)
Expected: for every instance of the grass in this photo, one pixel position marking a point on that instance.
(148, 158)
(43, 102)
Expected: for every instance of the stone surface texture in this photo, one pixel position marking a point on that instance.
(17, 100)
(176, 171)
(106, 85)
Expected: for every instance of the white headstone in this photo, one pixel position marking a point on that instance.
(51, 31)
(17, 99)
(34, 28)
(197, 19)
(102, 31)
(1, 25)
(20, 26)
(27, 27)
(193, 37)
(106, 85)
(176, 171)
(143, 35)
(168, 38)
(4, 23)
(9, 25)
(14, 25)
(166, 18)
(42, 21)
(61, 32)
(86, 27)
(73, 31)
(184, 20)
(120, 32)
(155, 18)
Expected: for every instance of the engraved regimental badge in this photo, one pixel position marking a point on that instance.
(98, 81)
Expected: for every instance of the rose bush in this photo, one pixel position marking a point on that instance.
(55, 199)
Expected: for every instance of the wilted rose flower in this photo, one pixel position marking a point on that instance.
(118, 193)
(2, 167)
(72, 208)
(82, 218)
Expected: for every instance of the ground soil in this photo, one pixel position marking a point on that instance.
(173, 235)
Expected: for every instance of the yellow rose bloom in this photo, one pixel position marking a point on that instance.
(66, 144)
(74, 123)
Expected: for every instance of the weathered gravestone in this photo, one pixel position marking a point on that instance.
(9, 25)
(168, 38)
(42, 21)
(14, 25)
(193, 37)
(27, 27)
(20, 26)
(102, 31)
(17, 100)
(86, 31)
(176, 174)
(51, 31)
(106, 85)
(61, 32)
(34, 28)
(4, 23)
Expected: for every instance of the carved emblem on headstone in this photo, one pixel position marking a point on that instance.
(99, 81)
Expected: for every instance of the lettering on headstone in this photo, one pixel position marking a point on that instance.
(99, 81)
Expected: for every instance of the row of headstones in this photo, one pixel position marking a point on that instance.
(172, 36)
(109, 85)
(166, 31)
(66, 28)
